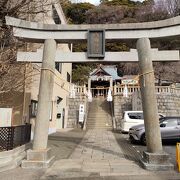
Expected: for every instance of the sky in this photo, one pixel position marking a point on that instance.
(96, 2)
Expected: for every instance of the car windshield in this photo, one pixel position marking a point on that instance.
(139, 115)
(135, 115)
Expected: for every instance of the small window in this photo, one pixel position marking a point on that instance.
(58, 66)
(68, 77)
(33, 108)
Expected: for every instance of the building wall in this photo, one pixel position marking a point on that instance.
(20, 101)
(60, 89)
(13, 100)
(61, 86)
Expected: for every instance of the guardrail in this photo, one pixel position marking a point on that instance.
(131, 89)
(159, 89)
(80, 89)
(14, 136)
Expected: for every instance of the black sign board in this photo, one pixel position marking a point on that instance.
(96, 44)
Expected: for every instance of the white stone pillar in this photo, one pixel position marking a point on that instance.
(40, 155)
(148, 94)
(45, 95)
(89, 84)
(154, 158)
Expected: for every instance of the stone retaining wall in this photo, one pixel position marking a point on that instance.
(73, 112)
(121, 104)
(168, 103)
(13, 158)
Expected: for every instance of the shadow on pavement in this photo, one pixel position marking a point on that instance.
(63, 144)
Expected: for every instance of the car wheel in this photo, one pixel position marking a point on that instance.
(132, 140)
(143, 139)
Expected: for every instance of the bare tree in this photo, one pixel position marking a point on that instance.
(12, 74)
(172, 6)
(167, 71)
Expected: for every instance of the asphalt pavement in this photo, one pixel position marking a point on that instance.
(137, 148)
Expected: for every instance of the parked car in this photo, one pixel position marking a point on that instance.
(132, 118)
(169, 127)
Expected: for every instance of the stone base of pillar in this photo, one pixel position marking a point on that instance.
(156, 161)
(38, 159)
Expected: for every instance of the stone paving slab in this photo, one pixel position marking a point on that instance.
(92, 156)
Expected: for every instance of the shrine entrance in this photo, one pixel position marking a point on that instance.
(99, 91)
(140, 33)
(102, 79)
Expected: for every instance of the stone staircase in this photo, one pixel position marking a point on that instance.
(99, 115)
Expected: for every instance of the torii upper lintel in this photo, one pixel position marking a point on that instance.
(62, 33)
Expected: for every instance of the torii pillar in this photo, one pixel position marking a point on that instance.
(40, 155)
(154, 158)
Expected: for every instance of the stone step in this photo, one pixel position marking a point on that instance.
(7, 166)
(12, 163)
(98, 115)
(85, 168)
(96, 108)
(96, 112)
(99, 120)
(94, 116)
(97, 127)
(99, 123)
(105, 124)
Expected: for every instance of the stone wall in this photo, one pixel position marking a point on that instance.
(168, 104)
(13, 158)
(73, 112)
(121, 104)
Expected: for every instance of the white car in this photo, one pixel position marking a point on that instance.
(132, 118)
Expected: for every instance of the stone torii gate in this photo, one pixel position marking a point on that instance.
(154, 158)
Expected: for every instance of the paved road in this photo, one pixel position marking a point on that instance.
(169, 147)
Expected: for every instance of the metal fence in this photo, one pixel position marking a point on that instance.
(14, 136)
